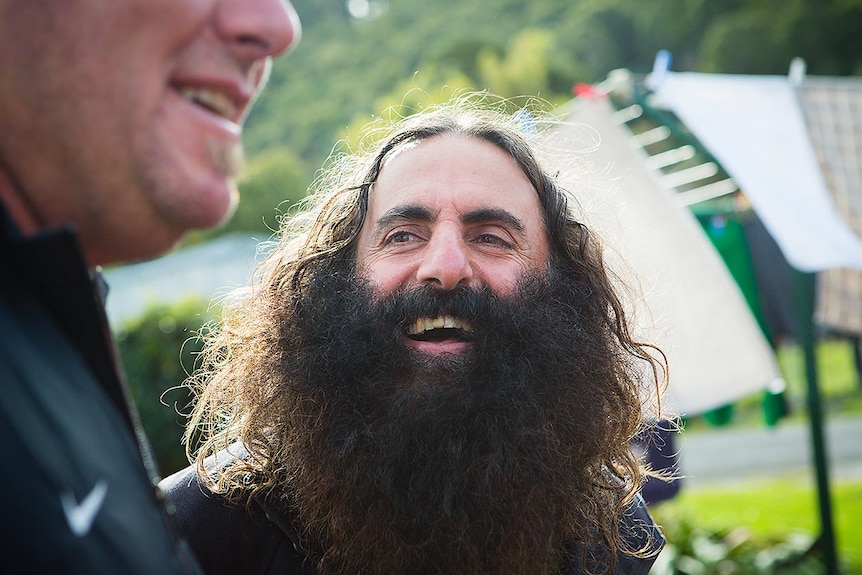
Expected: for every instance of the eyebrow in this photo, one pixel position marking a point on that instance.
(491, 215)
(410, 213)
(415, 213)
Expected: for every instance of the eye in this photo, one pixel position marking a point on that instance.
(493, 240)
(399, 237)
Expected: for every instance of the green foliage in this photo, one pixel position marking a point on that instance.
(762, 38)
(273, 181)
(344, 67)
(158, 350)
(523, 70)
(694, 550)
(434, 85)
(750, 41)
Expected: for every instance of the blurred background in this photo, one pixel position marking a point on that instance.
(771, 404)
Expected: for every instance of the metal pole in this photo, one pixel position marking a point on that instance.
(805, 290)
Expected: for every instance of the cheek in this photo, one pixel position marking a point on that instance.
(385, 279)
(503, 277)
(385, 276)
(502, 281)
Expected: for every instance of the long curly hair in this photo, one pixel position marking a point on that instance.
(239, 375)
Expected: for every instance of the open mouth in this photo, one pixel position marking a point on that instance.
(212, 100)
(440, 328)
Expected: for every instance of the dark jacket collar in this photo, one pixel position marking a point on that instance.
(51, 265)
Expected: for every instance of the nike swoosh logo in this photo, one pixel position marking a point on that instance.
(81, 516)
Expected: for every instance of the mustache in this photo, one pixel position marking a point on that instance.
(470, 307)
(480, 307)
(348, 335)
(343, 307)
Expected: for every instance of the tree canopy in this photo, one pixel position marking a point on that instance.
(347, 69)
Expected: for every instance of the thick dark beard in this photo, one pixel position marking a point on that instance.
(397, 462)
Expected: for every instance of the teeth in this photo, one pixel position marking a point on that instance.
(213, 100)
(424, 324)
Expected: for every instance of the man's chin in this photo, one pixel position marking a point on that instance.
(226, 158)
(234, 202)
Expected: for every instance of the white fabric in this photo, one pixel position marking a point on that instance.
(691, 306)
(754, 127)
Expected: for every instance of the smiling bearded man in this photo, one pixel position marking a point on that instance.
(437, 378)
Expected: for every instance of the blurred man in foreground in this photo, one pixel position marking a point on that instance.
(121, 127)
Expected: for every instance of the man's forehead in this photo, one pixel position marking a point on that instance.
(452, 166)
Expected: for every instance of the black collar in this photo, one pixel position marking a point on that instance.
(51, 266)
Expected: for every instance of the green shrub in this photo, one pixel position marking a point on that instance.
(698, 550)
(158, 351)
(762, 526)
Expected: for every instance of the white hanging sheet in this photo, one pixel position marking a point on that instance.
(690, 306)
(754, 127)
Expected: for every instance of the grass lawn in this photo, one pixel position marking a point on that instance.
(839, 384)
(767, 514)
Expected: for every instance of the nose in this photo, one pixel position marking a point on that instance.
(445, 262)
(258, 28)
